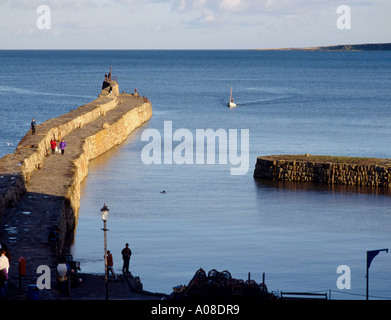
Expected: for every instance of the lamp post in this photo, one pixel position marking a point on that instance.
(370, 255)
(105, 214)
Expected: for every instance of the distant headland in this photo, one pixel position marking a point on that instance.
(341, 47)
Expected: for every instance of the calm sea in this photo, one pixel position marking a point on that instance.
(334, 103)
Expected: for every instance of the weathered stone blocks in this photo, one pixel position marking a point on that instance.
(323, 172)
(32, 150)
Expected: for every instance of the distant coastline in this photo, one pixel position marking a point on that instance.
(342, 47)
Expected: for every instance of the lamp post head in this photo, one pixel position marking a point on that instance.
(372, 254)
(105, 212)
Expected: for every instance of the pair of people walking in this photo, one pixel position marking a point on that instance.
(61, 147)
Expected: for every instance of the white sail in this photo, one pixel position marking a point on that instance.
(231, 101)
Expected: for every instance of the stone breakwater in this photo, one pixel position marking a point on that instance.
(366, 172)
(39, 190)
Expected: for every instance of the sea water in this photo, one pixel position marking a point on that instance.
(334, 103)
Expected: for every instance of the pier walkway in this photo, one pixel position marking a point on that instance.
(25, 227)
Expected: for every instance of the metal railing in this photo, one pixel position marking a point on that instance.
(112, 78)
(302, 296)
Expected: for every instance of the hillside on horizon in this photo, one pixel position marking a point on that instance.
(343, 47)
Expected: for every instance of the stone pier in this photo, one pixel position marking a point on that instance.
(40, 190)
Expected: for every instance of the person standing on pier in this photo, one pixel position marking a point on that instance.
(126, 253)
(33, 125)
(62, 146)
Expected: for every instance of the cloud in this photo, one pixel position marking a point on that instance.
(80, 25)
(158, 15)
(206, 13)
(223, 12)
(237, 11)
(71, 5)
(208, 16)
(230, 4)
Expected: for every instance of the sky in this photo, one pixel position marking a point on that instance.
(186, 24)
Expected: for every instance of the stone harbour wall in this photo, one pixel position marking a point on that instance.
(97, 144)
(32, 150)
(371, 175)
(107, 121)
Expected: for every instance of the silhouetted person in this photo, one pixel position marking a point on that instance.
(33, 125)
(126, 253)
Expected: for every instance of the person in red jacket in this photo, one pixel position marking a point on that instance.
(53, 145)
(110, 264)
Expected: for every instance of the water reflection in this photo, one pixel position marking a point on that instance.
(322, 187)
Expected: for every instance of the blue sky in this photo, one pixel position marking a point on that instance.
(185, 24)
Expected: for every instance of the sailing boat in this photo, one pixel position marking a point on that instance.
(231, 103)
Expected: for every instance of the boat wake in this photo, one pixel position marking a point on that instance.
(293, 98)
(31, 92)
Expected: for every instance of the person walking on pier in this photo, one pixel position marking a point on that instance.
(53, 145)
(126, 253)
(110, 264)
(62, 146)
(33, 125)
